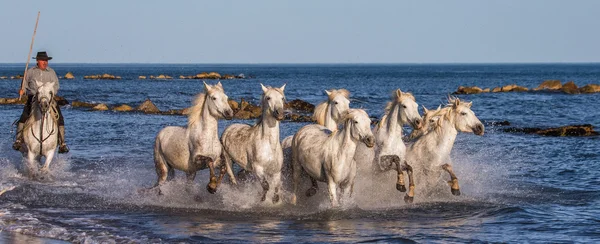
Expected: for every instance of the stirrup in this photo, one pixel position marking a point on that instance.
(17, 145)
(63, 148)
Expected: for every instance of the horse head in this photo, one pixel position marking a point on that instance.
(359, 124)
(216, 100)
(409, 109)
(464, 118)
(44, 96)
(338, 102)
(272, 101)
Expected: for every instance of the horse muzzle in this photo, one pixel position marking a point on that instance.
(478, 130)
(417, 123)
(278, 114)
(228, 114)
(369, 141)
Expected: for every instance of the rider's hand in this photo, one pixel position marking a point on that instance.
(21, 92)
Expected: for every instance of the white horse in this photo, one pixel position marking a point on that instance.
(327, 113)
(257, 148)
(389, 152)
(329, 156)
(430, 154)
(40, 132)
(196, 146)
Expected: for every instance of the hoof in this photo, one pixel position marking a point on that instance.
(311, 192)
(276, 198)
(408, 199)
(401, 188)
(63, 148)
(455, 192)
(17, 145)
(211, 190)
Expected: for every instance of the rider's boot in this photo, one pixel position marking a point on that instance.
(62, 148)
(19, 137)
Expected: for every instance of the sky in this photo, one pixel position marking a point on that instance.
(311, 31)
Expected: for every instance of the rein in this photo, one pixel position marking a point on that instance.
(54, 116)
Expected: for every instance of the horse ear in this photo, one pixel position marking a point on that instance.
(206, 86)
(282, 88)
(425, 109)
(469, 104)
(398, 93)
(263, 88)
(220, 85)
(328, 93)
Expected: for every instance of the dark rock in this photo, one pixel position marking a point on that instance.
(591, 88)
(549, 85)
(61, 101)
(79, 104)
(496, 123)
(100, 107)
(300, 106)
(570, 88)
(468, 90)
(102, 77)
(148, 107)
(123, 108)
(570, 130)
(298, 118)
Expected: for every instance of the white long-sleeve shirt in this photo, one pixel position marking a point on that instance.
(36, 74)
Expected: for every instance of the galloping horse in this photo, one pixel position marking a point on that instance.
(327, 113)
(257, 148)
(389, 152)
(196, 146)
(41, 131)
(329, 156)
(430, 154)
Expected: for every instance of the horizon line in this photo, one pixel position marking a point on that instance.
(326, 63)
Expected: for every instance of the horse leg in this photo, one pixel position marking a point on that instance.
(454, 188)
(332, 192)
(190, 177)
(31, 165)
(276, 181)
(263, 182)
(410, 195)
(212, 184)
(314, 187)
(46, 168)
(229, 166)
(296, 173)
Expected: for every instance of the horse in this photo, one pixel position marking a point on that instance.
(40, 132)
(257, 148)
(389, 152)
(328, 114)
(430, 153)
(196, 146)
(329, 156)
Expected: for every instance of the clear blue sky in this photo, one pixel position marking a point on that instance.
(124, 31)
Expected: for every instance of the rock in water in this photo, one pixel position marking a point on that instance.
(148, 107)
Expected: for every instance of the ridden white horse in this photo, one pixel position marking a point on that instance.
(196, 146)
(257, 148)
(389, 152)
(329, 156)
(430, 154)
(40, 132)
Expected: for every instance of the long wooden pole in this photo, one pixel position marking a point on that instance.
(22, 91)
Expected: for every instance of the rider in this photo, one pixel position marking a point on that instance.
(41, 73)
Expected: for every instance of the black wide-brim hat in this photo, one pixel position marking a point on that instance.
(42, 56)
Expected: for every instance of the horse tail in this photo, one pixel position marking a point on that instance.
(162, 168)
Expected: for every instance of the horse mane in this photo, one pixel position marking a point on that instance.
(321, 109)
(390, 105)
(196, 109)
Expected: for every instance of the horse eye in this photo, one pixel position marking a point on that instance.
(335, 102)
(463, 113)
(404, 106)
(356, 122)
(268, 98)
(214, 98)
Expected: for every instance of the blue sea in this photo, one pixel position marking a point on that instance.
(515, 187)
